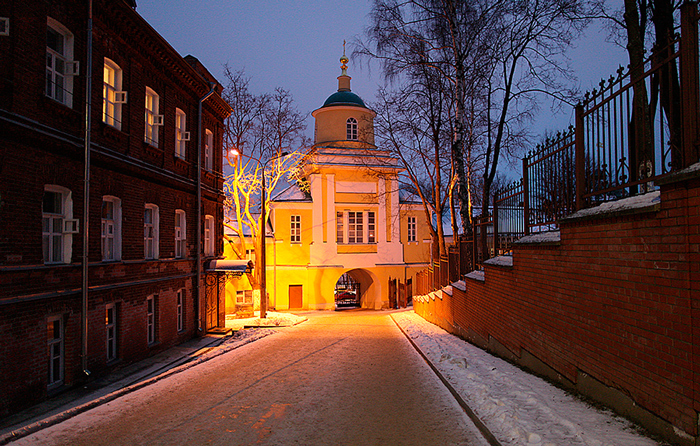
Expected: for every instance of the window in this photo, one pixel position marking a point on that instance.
(244, 297)
(111, 228)
(340, 231)
(355, 227)
(181, 133)
(111, 331)
(151, 319)
(153, 119)
(209, 235)
(209, 151)
(60, 69)
(250, 254)
(57, 225)
(351, 126)
(150, 231)
(295, 232)
(55, 344)
(180, 233)
(180, 310)
(411, 229)
(112, 95)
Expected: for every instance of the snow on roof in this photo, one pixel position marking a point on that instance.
(630, 204)
(500, 261)
(540, 237)
(292, 193)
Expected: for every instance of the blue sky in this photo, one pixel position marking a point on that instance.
(296, 45)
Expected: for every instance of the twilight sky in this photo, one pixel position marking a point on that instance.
(296, 44)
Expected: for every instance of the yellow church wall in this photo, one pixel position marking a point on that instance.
(418, 251)
(344, 197)
(331, 123)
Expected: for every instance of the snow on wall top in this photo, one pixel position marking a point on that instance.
(476, 275)
(500, 261)
(629, 204)
(541, 237)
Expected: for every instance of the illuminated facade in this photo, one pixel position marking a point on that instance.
(350, 226)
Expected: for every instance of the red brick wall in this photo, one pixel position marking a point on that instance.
(617, 299)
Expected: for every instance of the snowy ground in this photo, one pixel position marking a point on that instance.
(518, 408)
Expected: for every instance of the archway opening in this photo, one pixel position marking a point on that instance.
(347, 292)
(357, 288)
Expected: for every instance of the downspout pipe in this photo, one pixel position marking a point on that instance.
(86, 195)
(197, 286)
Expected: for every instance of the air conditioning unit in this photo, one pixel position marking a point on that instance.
(72, 68)
(4, 26)
(157, 119)
(185, 136)
(70, 226)
(120, 97)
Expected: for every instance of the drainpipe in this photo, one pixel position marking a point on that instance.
(198, 292)
(86, 194)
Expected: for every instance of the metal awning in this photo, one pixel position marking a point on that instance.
(232, 267)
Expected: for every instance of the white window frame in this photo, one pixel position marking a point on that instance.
(151, 314)
(181, 134)
(411, 229)
(4, 26)
(111, 334)
(295, 229)
(180, 234)
(371, 227)
(351, 129)
(355, 227)
(151, 232)
(51, 234)
(209, 235)
(208, 150)
(56, 352)
(112, 95)
(350, 231)
(153, 121)
(180, 302)
(60, 66)
(115, 224)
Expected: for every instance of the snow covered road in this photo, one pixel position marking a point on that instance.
(341, 378)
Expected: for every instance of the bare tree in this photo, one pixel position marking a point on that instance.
(261, 129)
(500, 58)
(413, 124)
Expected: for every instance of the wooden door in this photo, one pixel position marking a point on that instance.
(295, 296)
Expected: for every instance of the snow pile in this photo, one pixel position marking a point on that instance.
(518, 408)
(273, 319)
(625, 204)
(476, 275)
(500, 261)
(541, 237)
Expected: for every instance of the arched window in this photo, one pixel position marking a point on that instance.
(351, 126)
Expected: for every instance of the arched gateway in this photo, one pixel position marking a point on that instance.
(345, 219)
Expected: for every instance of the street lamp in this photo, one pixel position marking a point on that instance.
(263, 272)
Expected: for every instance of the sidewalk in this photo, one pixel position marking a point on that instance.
(139, 374)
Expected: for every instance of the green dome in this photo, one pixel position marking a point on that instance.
(344, 98)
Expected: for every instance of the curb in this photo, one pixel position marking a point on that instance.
(70, 413)
(488, 435)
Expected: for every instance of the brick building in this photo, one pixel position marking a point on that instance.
(154, 192)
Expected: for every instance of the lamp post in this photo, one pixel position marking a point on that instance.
(261, 256)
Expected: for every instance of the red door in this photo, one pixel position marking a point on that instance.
(295, 294)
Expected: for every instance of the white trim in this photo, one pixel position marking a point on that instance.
(158, 120)
(71, 226)
(72, 68)
(4, 26)
(353, 187)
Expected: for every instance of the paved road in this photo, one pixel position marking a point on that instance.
(347, 378)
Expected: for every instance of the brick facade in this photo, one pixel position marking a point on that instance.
(611, 310)
(42, 144)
